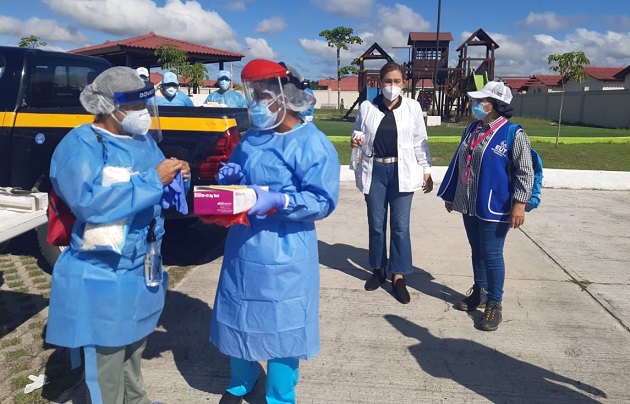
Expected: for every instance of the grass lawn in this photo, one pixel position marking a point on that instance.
(581, 147)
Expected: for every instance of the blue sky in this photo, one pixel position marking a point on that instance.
(526, 31)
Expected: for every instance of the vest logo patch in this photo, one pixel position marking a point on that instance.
(500, 149)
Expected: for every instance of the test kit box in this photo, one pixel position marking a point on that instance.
(222, 199)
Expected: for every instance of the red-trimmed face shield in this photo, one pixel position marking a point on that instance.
(262, 83)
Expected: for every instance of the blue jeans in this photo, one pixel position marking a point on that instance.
(486, 242)
(384, 194)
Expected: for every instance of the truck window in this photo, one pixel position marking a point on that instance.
(57, 83)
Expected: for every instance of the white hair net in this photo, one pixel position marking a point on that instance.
(298, 100)
(98, 97)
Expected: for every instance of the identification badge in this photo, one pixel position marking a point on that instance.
(466, 175)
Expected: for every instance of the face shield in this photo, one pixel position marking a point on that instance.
(140, 110)
(262, 83)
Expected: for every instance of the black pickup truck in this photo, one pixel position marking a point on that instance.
(39, 104)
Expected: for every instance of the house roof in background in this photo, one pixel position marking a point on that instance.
(350, 83)
(604, 73)
(517, 82)
(550, 80)
(622, 74)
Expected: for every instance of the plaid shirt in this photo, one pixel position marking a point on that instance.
(522, 170)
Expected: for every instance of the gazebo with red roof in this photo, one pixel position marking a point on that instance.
(140, 51)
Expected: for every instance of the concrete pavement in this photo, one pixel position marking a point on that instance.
(565, 337)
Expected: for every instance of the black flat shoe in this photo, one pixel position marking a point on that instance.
(378, 278)
(400, 290)
(229, 398)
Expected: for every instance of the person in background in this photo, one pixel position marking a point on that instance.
(226, 96)
(143, 73)
(169, 94)
(309, 113)
(111, 173)
(395, 163)
(490, 186)
(267, 301)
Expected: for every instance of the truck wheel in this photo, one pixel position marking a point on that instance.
(50, 252)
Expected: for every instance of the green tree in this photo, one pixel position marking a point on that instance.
(170, 57)
(31, 41)
(340, 38)
(197, 74)
(570, 65)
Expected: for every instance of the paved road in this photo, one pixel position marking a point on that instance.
(565, 336)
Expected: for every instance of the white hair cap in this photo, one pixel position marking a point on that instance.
(98, 97)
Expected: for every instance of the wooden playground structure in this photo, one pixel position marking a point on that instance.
(440, 89)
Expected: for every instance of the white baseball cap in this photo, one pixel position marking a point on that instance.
(494, 89)
(142, 71)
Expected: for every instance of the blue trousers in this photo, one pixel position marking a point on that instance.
(384, 194)
(282, 377)
(486, 242)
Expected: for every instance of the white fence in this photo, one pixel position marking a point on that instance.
(608, 109)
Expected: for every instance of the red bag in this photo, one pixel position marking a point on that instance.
(60, 221)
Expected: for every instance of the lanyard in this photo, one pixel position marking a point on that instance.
(480, 139)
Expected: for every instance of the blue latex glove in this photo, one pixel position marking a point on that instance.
(230, 173)
(265, 201)
(174, 194)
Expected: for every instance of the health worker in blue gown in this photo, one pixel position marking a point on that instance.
(225, 96)
(267, 301)
(113, 176)
(168, 93)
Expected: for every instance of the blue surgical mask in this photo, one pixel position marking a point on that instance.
(261, 116)
(477, 110)
(224, 84)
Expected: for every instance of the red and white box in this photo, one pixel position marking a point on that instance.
(222, 199)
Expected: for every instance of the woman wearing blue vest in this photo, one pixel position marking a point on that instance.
(490, 186)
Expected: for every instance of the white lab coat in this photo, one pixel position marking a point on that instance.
(413, 147)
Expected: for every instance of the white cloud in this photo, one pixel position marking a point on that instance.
(527, 55)
(391, 30)
(350, 8)
(237, 5)
(259, 48)
(271, 25)
(47, 30)
(547, 21)
(393, 27)
(186, 21)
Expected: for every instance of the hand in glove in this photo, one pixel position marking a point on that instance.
(265, 201)
(230, 173)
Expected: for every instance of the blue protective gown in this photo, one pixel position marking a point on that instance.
(100, 298)
(267, 301)
(231, 98)
(179, 100)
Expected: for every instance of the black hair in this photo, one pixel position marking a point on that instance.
(291, 78)
(503, 108)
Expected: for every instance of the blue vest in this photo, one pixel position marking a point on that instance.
(494, 187)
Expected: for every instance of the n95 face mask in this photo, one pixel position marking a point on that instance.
(391, 92)
(137, 122)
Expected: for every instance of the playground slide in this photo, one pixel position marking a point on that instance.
(480, 80)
